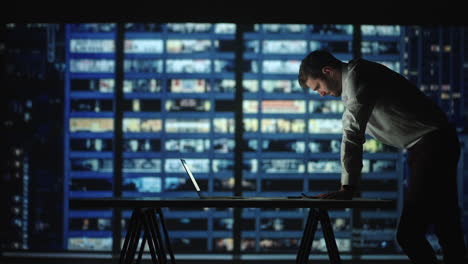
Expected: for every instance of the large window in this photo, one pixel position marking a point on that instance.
(179, 101)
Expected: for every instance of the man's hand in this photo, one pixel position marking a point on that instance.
(345, 193)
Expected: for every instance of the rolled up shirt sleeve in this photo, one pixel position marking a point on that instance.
(358, 109)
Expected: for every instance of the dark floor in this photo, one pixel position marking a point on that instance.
(94, 258)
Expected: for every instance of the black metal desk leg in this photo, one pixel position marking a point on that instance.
(142, 248)
(166, 235)
(134, 240)
(130, 228)
(151, 239)
(150, 214)
(330, 241)
(307, 237)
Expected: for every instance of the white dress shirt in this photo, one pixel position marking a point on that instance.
(385, 105)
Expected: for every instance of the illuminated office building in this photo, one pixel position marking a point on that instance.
(180, 99)
(30, 138)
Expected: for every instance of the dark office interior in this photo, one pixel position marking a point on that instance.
(102, 100)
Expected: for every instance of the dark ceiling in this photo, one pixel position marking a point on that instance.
(280, 11)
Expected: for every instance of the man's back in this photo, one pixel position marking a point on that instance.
(401, 112)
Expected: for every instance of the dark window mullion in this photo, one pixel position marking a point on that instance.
(238, 117)
(118, 137)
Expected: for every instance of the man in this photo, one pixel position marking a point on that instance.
(384, 104)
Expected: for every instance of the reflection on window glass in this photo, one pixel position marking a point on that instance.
(224, 86)
(281, 66)
(91, 144)
(227, 184)
(142, 105)
(380, 48)
(332, 46)
(95, 224)
(225, 28)
(143, 27)
(278, 244)
(94, 85)
(283, 106)
(190, 245)
(250, 124)
(187, 45)
(195, 165)
(189, 27)
(143, 46)
(224, 125)
(223, 244)
(325, 107)
(91, 124)
(92, 46)
(188, 66)
(188, 85)
(186, 223)
(324, 166)
(142, 125)
(250, 86)
(329, 29)
(280, 224)
(143, 66)
(343, 244)
(295, 146)
(141, 145)
(223, 145)
(380, 30)
(332, 166)
(284, 28)
(175, 184)
(91, 165)
(143, 184)
(382, 166)
(90, 243)
(250, 145)
(187, 145)
(85, 185)
(142, 86)
(188, 105)
(324, 146)
(283, 125)
(91, 105)
(224, 66)
(285, 46)
(223, 165)
(249, 66)
(187, 125)
(282, 185)
(282, 166)
(93, 27)
(325, 126)
(250, 106)
(251, 46)
(92, 66)
(250, 165)
(142, 165)
(281, 86)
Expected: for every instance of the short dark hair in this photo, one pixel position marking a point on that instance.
(312, 64)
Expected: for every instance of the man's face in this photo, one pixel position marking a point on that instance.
(330, 85)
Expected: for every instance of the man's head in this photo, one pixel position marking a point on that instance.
(321, 72)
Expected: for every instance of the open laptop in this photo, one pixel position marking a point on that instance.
(201, 196)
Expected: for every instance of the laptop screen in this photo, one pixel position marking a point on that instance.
(189, 172)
